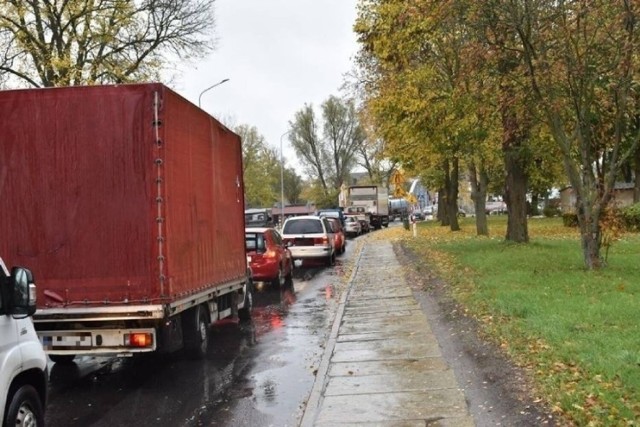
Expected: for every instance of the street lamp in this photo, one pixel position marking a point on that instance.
(209, 88)
(282, 180)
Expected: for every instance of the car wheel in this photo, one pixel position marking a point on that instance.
(63, 359)
(277, 282)
(331, 259)
(288, 282)
(25, 408)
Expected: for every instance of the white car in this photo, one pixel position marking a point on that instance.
(23, 377)
(309, 237)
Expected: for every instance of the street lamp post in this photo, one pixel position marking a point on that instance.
(282, 180)
(209, 88)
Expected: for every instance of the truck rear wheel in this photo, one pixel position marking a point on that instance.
(25, 408)
(244, 313)
(195, 330)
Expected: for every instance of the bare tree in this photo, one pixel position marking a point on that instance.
(74, 42)
(330, 157)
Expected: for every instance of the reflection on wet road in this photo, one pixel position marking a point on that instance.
(259, 373)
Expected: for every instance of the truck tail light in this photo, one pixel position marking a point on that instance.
(138, 340)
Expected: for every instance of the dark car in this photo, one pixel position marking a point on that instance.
(332, 213)
(418, 216)
(270, 260)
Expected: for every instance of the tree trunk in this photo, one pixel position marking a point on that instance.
(451, 188)
(636, 169)
(516, 198)
(441, 214)
(479, 182)
(535, 201)
(515, 132)
(590, 234)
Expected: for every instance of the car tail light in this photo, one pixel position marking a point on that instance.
(138, 340)
(321, 241)
(270, 254)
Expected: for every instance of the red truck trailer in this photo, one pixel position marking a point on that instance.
(127, 204)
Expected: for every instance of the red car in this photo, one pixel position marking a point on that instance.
(270, 260)
(339, 235)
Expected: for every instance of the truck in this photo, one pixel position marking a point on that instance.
(24, 373)
(374, 199)
(258, 217)
(398, 208)
(127, 202)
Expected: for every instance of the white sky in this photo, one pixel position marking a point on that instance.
(278, 55)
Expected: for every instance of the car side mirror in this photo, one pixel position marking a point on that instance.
(21, 293)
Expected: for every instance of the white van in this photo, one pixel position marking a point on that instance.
(23, 362)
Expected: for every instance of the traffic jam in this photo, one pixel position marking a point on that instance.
(148, 298)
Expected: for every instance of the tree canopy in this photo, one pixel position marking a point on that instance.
(547, 83)
(74, 42)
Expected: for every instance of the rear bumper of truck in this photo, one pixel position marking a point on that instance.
(121, 330)
(103, 341)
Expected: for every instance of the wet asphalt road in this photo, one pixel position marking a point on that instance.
(258, 373)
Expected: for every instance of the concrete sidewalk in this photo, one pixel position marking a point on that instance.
(382, 365)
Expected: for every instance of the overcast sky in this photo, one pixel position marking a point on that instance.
(278, 55)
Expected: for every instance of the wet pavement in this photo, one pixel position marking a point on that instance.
(254, 374)
(382, 365)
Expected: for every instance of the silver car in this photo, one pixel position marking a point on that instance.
(309, 237)
(352, 226)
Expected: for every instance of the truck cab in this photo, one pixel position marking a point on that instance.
(23, 363)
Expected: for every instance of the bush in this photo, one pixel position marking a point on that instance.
(570, 219)
(550, 211)
(551, 208)
(631, 217)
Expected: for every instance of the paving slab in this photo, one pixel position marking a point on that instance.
(386, 367)
(445, 422)
(346, 354)
(377, 335)
(408, 381)
(370, 408)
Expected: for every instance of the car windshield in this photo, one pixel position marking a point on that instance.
(254, 241)
(303, 226)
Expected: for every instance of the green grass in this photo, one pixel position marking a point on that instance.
(577, 331)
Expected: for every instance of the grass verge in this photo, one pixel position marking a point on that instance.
(575, 331)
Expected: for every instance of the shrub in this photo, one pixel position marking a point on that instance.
(550, 211)
(570, 219)
(631, 217)
(551, 208)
